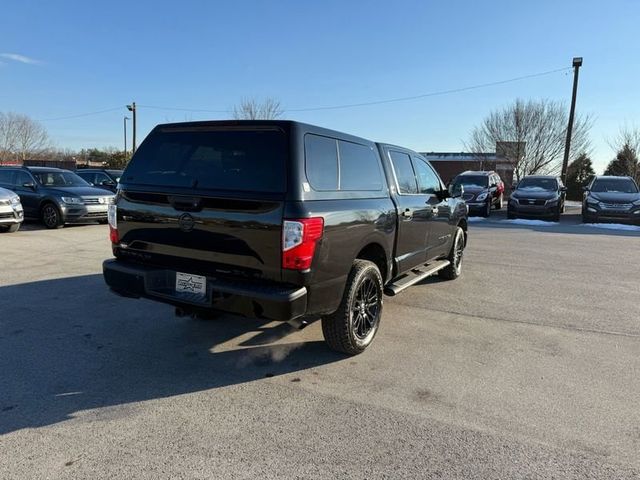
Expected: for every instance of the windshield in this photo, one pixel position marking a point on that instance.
(247, 159)
(541, 184)
(619, 185)
(59, 179)
(473, 181)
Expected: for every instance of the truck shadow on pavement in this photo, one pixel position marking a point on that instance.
(69, 345)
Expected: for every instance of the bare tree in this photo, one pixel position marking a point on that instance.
(252, 109)
(626, 144)
(627, 135)
(21, 137)
(531, 136)
(7, 137)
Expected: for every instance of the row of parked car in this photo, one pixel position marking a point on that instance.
(55, 196)
(606, 198)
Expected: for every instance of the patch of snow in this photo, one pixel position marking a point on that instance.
(530, 223)
(613, 226)
(573, 203)
(476, 219)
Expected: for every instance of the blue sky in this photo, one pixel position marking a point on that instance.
(91, 56)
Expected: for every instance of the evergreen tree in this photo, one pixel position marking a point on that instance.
(579, 173)
(625, 163)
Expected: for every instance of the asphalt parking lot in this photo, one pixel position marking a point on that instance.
(525, 367)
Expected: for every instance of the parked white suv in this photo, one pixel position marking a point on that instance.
(11, 213)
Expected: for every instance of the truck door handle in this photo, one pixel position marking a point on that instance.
(407, 213)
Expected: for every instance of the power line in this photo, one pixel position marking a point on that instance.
(431, 94)
(332, 107)
(81, 114)
(202, 110)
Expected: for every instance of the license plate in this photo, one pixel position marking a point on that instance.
(189, 283)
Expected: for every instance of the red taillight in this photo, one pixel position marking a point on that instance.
(299, 238)
(113, 235)
(112, 216)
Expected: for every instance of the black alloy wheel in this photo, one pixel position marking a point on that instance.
(51, 216)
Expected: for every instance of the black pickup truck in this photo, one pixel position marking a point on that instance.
(280, 220)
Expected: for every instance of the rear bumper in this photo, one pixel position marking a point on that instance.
(273, 301)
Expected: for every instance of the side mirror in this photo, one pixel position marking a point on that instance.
(108, 183)
(585, 188)
(30, 185)
(563, 189)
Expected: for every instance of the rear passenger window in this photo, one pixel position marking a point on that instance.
(321, 162)
(404, 172)
(359, 167)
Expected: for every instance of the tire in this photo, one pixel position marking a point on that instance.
(500, 203)
(556, 216)
(351, 328)
(14, 228)
(456, 255)
(51, 217)
(511, 215)
(486, 213)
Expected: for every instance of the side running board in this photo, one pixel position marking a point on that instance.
(414, 276)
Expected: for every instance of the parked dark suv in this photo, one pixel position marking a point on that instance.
(56, 196)
(280, 220)
(482, 190)
(101, 177)
(611, 199)
(540, 196)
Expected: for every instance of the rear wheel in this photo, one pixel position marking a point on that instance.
(51, 217)
(352, 327)
(454, 269)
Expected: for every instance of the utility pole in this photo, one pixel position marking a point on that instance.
(125, 135)
(577, 63)
(132, 109)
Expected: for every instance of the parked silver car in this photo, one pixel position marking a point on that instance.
(11, 212)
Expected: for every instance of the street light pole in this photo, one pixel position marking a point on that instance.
(577, 63)
(132, 109)
(125, 135)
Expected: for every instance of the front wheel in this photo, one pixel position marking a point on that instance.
(454, 269)
(511, 215)
(351, 328)
(10, 228)
(51, 217)
(487, 209)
